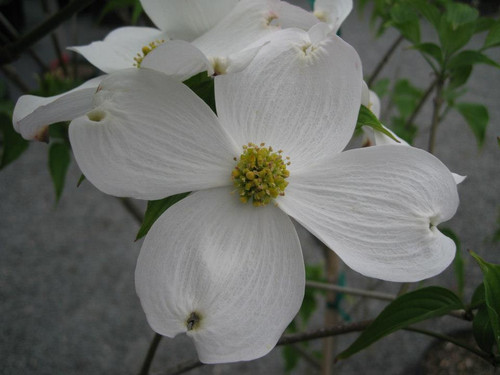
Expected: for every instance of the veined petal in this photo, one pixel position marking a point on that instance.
(32, 114)
(235, 270)
(333, 12)
(186, 19)
(251, 21)
(149, 137)
(118, 50)
(178, 59)
(382, 139)
(378, 208)
(295, 95)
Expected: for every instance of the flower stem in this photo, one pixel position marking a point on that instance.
(384, 60)
(150, 355)
(438, 102)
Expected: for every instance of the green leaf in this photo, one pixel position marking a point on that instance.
(154, 210)
(113, 5)
(381, 87)
(478, 297)
(136, 12)
(483, 330)
(308, 305)
(484, 24)
(491, 279)
(80, 180)
(59, 159)
(406, 132)
(12, 144)
(406, 97)
(428, 10)
(458, 14)
(407, 309)
(471, 57)
(406, 21)
(481, 326)
(452, 39)
(477, 117)
(367, 118)
(203, 86)
(458, 262)
(291, 357)
(459, 76)
(493, 37)
(431, 50)
(59, 131)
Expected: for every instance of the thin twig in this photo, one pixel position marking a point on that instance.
(438, 101)
(307, 356)
(15, 78)
(331, 312)
(384, 60)
(14, 34)
(338, 329)
(292, 338)
(11, 51)
(460, 314)
(55, 41)
(352, 291)
(132, 209)
(150, 355)
(453, 340)
(420, 104)
(183, 367)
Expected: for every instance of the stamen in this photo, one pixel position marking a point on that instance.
(145, 50)
(260, 174)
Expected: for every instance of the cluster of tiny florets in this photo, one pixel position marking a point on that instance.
(145, 50)
(260, 174)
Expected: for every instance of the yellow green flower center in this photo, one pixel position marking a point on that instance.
(145, 50)
(260, 174)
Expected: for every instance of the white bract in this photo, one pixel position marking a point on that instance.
(218, 36)
(229, 274)
(371, 100)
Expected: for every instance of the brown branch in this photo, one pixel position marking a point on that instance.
(132, 209)
(15, 78)
(438, 102)
(55, 41)
(420, 104)
(14, 35)
(11, 51)
(384, 60)
(150, 355)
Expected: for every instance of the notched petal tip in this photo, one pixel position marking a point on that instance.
(42, 135)
(193, 322)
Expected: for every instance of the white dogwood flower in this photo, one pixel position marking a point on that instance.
(227, 47)
(230, 274)
(371, 100)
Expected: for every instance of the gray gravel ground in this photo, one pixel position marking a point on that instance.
(68, 303)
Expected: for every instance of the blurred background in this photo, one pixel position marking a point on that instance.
(67, 296)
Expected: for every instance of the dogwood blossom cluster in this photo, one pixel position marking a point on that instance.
(225, 265)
